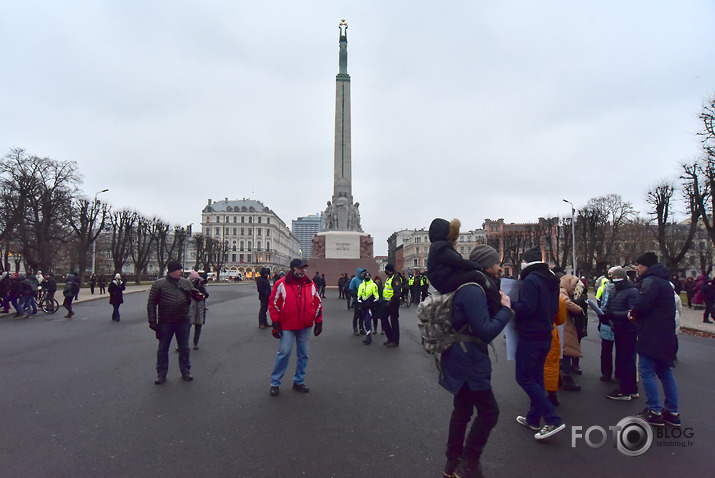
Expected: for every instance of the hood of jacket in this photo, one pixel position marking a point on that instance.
(542, 269)
(658, 270)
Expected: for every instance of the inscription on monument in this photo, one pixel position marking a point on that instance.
(342, 246)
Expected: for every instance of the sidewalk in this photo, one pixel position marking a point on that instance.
(691, 322)
(85, 296)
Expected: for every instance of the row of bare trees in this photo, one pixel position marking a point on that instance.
(610, 232)
(46, 220)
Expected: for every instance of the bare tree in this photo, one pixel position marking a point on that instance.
(170, 246)
(87, 221)
(37, 193)
(201, 255)
(601, 221)
(515, 243)
(122, 223)
(144, 236)
(674, 240)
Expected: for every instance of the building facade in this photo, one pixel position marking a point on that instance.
(253, 234)
(408, 249)
(304, 228)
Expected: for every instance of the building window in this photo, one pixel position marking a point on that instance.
(414, 262)
(268, 245)
(208, 218)
(233, 257)
(248, 257)
(242, 247)
(268, 220)
(218, 218)
(249, 246)
(243, 231)
(268, 232)
(234, 231)
(250, 231)
(227, 219)
(259, 219)
(240, 256)
(225, 231)
(260, 231)
(218, 231)
(243, 219)
(233, 248)
(258, 245)
(250, 219)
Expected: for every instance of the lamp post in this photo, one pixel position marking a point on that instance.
(94, 242)
(573, 236)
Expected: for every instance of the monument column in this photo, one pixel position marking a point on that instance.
(342, 178)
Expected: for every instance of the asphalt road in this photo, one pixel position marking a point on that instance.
(78, 400)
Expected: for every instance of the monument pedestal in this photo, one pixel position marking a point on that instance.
(339, 252)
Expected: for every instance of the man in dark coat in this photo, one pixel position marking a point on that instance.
(116, 295)
(535, 310)
(172, 295)
(264, 292)
(708, 292)
(654, 315)
(620, 301)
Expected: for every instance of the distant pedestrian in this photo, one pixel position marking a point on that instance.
(708, 293)
(197, 309)
(264, 293)
(14, 295)
(677, 285)
(391, 294)
(4, 288)
(323, 284)
(92, 282)
(689, 288)
(102, 282)
(116, 294)
(295, 308)
(70, 291)
(50, 287)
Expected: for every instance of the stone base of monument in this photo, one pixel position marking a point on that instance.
(338, 252)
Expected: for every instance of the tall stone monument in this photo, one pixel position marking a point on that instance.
(341, 246)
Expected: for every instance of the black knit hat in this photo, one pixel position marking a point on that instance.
(389, 268)
(647, 259)
(173, 266)
(533, 255)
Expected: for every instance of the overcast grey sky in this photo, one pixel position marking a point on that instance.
(467, 109)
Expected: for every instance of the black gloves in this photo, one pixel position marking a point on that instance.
(156, 329)
(318, 328)
(277, 330)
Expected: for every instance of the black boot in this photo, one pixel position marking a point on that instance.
(569, 385)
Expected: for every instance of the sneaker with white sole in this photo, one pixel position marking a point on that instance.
(549, 430)
(617, 394)
(522, 421)
(672, 419)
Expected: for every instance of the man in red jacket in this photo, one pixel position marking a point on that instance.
(294, 307)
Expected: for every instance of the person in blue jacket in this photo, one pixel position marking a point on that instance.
(466, 368)
(357, 314)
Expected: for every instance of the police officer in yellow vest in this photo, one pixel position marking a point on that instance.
(391, 293)
(367, 296)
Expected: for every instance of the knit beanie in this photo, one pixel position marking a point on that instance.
(485, 256)
(533, 255)
(619, 273)
(647, 259)
(173, 266)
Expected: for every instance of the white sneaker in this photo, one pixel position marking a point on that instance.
(549, 430)
(522, 421)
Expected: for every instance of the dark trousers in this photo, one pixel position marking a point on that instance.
(416, 295)
(197, 333)
(626, 360)
(262, 320)
(67, 304)
(607, 358)
(357, 314)
(530, 359)
(10, 299)
(465, 401)
(166, 333)
(708, 311)
(391, 322)
(115, 312)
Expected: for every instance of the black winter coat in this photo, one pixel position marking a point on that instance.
(264, 288)
(620, 301)
(538, 303)
(654, 312)
(116, 296)
(172, 296)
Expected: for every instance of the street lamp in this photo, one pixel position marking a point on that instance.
(94, 242)
(573, 235)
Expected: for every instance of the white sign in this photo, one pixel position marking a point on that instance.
(342, 245)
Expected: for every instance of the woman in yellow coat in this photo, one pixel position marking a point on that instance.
(553, 359)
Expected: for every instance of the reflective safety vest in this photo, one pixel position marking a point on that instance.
(424, 280)
(388, 291)
(367, 289)
(412, 281)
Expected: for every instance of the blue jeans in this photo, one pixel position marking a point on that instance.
(650, 371)
(302, 339)
(182, 331)
(530, 359)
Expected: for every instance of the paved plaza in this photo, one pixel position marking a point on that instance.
(78, 399)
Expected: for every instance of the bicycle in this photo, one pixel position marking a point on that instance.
(406, 299)
(48, 306)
